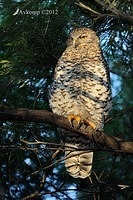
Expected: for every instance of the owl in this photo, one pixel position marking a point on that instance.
(81, 92)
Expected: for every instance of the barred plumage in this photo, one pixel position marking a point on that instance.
(81, 88)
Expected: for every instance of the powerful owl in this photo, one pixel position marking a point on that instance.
(81, 91)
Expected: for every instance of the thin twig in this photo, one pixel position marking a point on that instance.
(114, 11)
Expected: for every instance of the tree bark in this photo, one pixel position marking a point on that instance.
(43, 116)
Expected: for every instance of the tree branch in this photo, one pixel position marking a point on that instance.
(114, 12)
(43, 116)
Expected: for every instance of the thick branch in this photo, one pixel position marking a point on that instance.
(114, 12)
(43, 116)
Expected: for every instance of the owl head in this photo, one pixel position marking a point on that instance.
(80, 36)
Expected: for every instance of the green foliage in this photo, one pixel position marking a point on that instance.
(31, 43)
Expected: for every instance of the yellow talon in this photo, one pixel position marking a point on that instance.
(71, 118)
(90, 123)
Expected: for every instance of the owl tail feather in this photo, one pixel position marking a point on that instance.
(78, 160)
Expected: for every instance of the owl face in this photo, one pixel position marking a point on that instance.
(80, 36)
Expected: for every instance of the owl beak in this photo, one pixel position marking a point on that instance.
(75, 43)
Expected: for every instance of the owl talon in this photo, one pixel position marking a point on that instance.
(90, 123)
(74, 118)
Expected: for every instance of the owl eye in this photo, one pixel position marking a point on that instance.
(82, 36)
